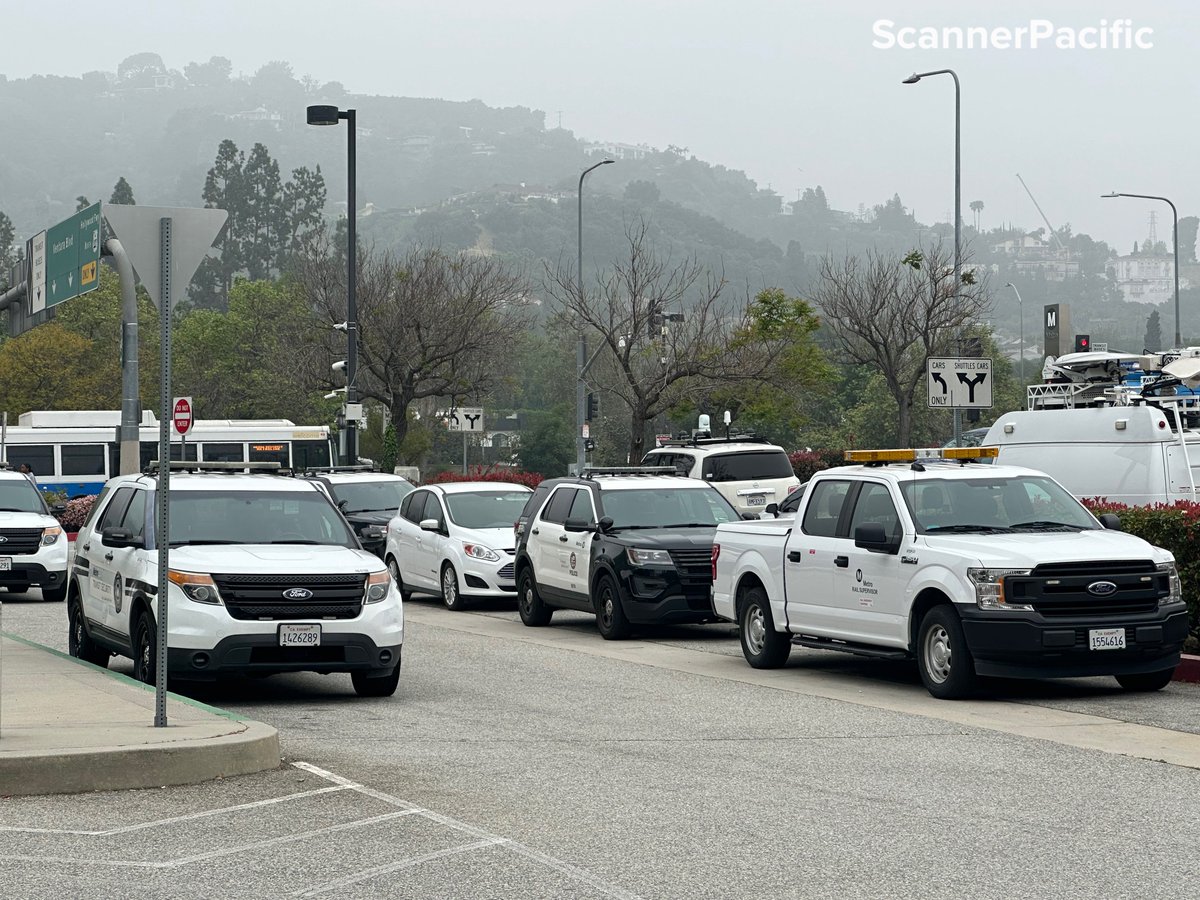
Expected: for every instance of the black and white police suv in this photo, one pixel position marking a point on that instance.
(33, 547)
(265, 576)
(632, 545)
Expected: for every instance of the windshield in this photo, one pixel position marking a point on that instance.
(1029, 503)
(667, 507)
(19, 495)
(372, 496)
(747, 466)
(256, 517)
(486, 509)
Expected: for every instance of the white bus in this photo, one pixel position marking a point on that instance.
(77, 451)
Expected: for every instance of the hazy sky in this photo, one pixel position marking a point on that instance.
(793, 93)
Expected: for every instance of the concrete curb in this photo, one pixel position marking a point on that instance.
(1188, 670)
(254, 748)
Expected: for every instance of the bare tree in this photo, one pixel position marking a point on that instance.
(431, 323)
(664, 331)
(892, 314)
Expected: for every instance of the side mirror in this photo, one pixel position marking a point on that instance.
(873, 537)
(772, 509)
(1111, 521)
(578, 525)
(604, 525)
(119, 537)
(342, 504)
(430, 525)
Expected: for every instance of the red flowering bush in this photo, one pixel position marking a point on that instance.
(76, 513)
(807, 463)
(489, 473)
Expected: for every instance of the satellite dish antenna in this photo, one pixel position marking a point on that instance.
(1187, 370)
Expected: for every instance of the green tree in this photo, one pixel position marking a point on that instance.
(304, 206)
(8, 249)
(1188, 226)
(264, 226)
(213, 73)
(49, 367)
(122, 193)
(1153, 340)
(224, 188)
(547, 443)
(82, 202)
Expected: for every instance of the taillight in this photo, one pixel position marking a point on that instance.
(716, 553)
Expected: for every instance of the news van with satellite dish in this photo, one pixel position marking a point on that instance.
(1119, 426)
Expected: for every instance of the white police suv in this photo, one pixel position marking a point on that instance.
(33, 547)
(265, 576)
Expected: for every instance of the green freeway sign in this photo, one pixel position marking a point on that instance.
(72, 260)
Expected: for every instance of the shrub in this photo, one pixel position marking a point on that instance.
(489, 473)
(1174, 527)
(76, 513)
(807, 463)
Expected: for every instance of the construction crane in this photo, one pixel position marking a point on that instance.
(1057, 239)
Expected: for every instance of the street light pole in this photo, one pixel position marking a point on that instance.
(1175, 233)
(581, 346)
(1021, 308)
(913, 79)
(331, 115)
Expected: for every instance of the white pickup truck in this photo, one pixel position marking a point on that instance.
(973, 570)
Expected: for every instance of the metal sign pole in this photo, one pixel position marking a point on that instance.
(164, 472)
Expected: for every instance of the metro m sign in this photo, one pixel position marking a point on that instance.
(1056, 322)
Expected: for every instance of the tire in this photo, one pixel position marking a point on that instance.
(368, 685)
(54, 595)
(762, 645)
(79, 644)
(943, 658)
(454, 600)
(611, 621)
(394, 570)
(532, 610)
(1146, 682)
(145, 649)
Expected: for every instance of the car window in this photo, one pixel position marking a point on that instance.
(825, 508)
(134, 520)
(97, 506)
(937, 504)
(747, 465)
(433, 510)
(667, 506)
(257, 517)
(116, 509)
(875, 506)
(413, 507)
(560, 504)
(535, 501)
(371, 496)
(581, 508)
(792, 503)
(485, 509)
(20, 495)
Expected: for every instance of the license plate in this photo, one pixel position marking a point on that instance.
(757, 500)
(1106, 639)
(299, 635)
(5, 563)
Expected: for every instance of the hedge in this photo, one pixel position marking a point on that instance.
(807, 463)
(487, 473)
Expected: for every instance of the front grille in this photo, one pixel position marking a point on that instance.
(507, 572)
(336, 596)
(19, 541)
(1061, 589)
(694, 568)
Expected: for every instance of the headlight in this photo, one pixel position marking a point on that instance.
(50, 535)
(200, 588)
(642, 557)
(989, 588)
(478, 551)
(378, 584)
(1176, 595)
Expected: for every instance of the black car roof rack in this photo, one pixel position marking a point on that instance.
(697, 441)
(194, 466)
(334, 470)
(593, 471)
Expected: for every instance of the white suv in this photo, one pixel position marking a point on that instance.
(750, 473)
(265, 576)
(33, 547)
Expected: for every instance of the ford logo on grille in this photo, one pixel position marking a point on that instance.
(302, 594)
(1102, 588)
(3, 539)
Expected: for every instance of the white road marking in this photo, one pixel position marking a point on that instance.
(188, 818)
(564, 868)
(367, 874)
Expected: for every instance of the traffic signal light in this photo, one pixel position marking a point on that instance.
(1083, 343)
(593, 407)
(589, 444)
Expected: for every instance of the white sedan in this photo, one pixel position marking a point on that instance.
(456, 541)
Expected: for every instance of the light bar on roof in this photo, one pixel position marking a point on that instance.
(919, 454)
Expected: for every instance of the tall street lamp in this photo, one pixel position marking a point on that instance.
(581, 347)
(331, 115)
(1175, 215)
(1021, 307)
(913, 79)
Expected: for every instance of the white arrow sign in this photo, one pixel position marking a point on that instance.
(959, 383)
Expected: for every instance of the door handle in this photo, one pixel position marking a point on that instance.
(795, 556)
(535, 531)
(108, 556)
(841, 561)
(87, 546)
(563, 538)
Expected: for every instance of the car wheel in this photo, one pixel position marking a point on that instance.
(946, 665)
(611, 620)
(450, 595)
(1146, 682)
(394, 571)
(54, 595)
(145, 649)
(532, 610)
(368, 684)
(79, 644)
(762, 645)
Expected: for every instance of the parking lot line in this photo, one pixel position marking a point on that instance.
(367, 874)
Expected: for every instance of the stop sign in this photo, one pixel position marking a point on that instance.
(182, 416)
